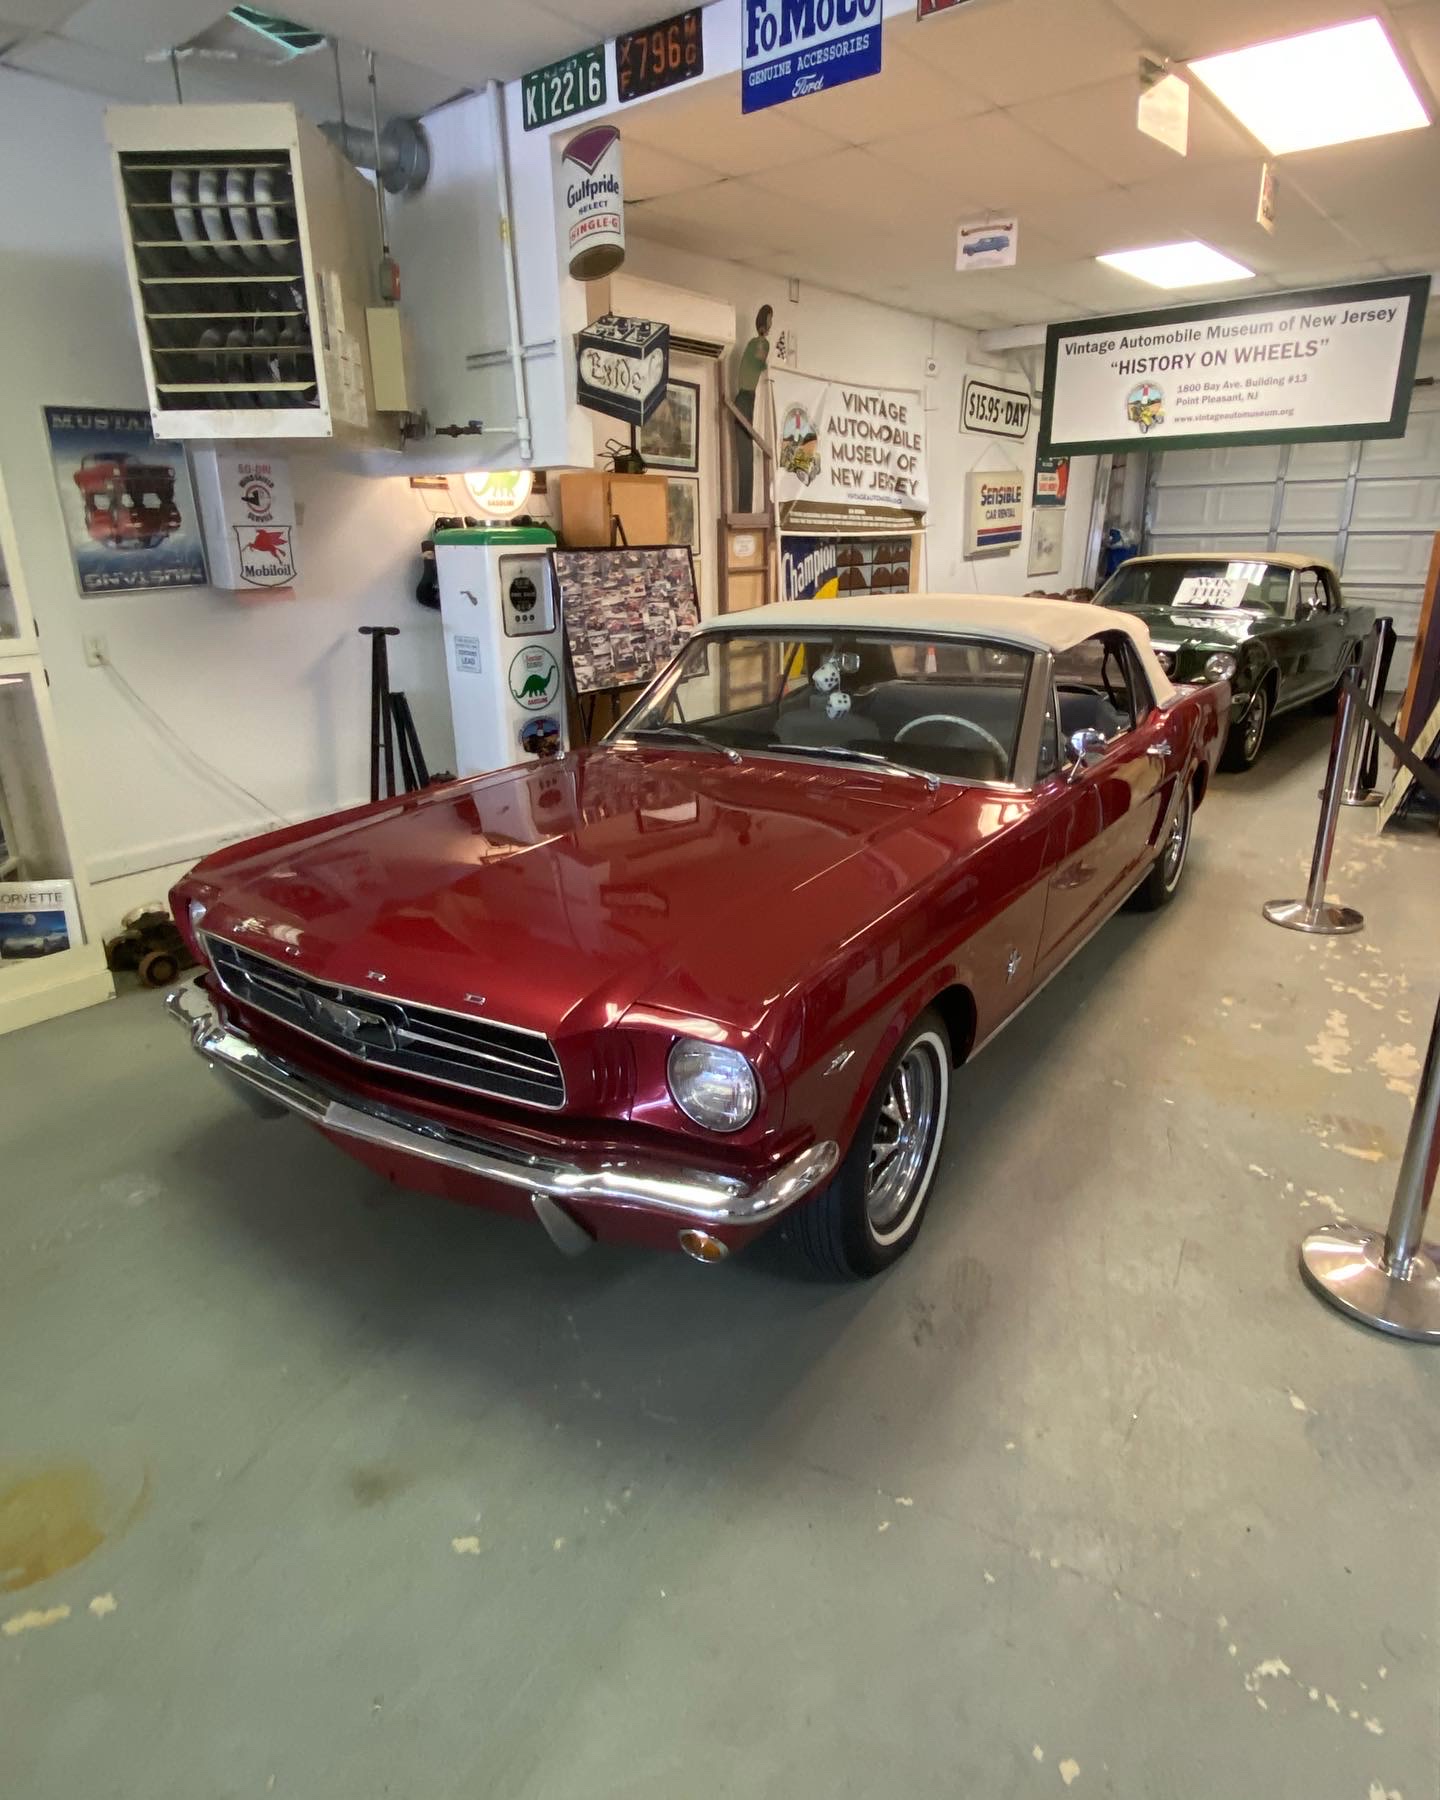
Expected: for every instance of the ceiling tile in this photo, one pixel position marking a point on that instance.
(858, 184)
(729, 219)
(1097, 125)
(705, 125)
(906, 95)
(39, 15)
(989, 162)
(1015, 50)
(1381, 193)
(650, 173)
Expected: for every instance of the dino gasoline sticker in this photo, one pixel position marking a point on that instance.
(534, 678)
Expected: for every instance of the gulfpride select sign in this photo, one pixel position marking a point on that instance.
(794, 47)
(1282, 368)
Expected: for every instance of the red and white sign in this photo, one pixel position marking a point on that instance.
(592, 203)
(248, 509)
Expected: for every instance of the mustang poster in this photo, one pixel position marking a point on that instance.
(129, 508)
(1333, 362)
(848, 459)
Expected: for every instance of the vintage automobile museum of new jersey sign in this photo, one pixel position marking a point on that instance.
(1335, 362)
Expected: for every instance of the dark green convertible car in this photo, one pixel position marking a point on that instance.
(1272, 624)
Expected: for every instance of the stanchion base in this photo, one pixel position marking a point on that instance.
(1345, 1265)
(1373, 798)
(1326, 920)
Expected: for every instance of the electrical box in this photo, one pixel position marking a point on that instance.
(253, 250)
(504, 645)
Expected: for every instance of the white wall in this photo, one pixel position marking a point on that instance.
(855, 340)
(275, 692)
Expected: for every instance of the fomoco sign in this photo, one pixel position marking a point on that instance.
(794, 47)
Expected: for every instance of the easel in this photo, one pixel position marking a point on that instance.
(391, 718)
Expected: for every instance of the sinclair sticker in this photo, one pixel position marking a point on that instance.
(534, 678)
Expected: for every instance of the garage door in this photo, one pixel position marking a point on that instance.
(1373, 507)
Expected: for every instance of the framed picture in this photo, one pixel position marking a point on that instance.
(627, 611)
(670, 437)
(1047, 537)
(682, 511)
(129, 508)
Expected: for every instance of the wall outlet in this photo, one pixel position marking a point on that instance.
(97, 650)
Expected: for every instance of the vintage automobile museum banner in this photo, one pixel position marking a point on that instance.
(847, 458)
(1333, 362)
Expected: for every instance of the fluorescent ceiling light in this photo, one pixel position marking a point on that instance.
(1190, 264)
(1326, 87)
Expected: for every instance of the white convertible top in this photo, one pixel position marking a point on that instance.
(1282, 559)
(1052, 625)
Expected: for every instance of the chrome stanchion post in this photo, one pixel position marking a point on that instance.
(1356, 794)
(1314, 913)
(1391, 1280)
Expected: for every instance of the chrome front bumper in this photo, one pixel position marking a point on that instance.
(698, 1197)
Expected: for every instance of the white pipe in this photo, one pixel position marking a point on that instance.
(512, 287)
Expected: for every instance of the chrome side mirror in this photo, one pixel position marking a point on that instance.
(1086, 749)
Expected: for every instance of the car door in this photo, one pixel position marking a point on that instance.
(1318, 633)
(1109, 813)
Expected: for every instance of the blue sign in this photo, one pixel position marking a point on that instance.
(794, 47)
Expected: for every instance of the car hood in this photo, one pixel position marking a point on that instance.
(1210, 626)
(558, 895)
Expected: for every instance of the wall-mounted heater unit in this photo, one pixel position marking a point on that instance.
(253, 250)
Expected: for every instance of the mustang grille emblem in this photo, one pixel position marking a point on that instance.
(368, 1030)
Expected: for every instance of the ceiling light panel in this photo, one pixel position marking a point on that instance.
(1191, 264)
(1325, 87)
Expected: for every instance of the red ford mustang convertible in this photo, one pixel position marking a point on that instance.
(723, 966)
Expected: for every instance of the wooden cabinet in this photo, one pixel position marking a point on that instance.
(590, 500)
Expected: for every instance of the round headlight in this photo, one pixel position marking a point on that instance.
(1166, 660)
(713, 1086)
(1221, 666)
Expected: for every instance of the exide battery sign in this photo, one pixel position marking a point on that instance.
(794, 47)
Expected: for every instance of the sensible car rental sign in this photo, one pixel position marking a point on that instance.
(1335, 362)
(794, 47)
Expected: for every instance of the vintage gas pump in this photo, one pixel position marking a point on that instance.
(504, 645)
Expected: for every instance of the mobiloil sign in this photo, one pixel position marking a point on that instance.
(794, 47)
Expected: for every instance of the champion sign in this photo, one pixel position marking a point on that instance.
(794, 47)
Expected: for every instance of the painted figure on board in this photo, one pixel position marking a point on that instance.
(754, 359)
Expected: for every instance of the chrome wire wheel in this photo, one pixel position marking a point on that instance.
(905, 1139)
(1255, 725)
(1172, 858)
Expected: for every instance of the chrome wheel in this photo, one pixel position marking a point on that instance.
(1255, 725)
(903, 1143)
(1172, 858)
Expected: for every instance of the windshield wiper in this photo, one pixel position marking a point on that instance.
(685, 735)
(849, 753)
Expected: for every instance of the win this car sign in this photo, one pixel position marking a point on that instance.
(794, 47)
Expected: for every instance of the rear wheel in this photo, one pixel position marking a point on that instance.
(1242, 747)
(872, 1211)
(1159, 886)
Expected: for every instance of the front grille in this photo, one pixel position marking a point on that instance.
(441, 1046)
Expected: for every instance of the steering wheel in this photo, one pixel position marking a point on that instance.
(991, 742)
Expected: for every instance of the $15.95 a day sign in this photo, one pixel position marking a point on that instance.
(1281, 368)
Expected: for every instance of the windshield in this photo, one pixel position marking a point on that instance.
(949, 708)
(1205, 584)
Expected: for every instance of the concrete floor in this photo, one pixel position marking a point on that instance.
(383, 1497)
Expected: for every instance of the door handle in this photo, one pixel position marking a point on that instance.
(1162, 749)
